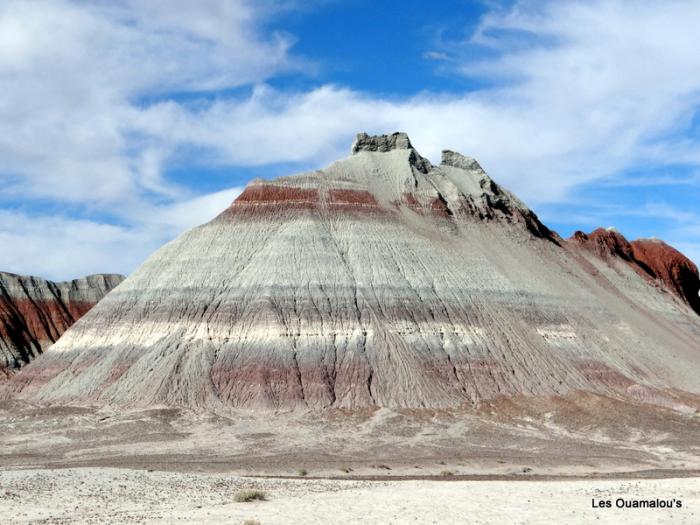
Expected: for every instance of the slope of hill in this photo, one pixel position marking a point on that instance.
(381, 280)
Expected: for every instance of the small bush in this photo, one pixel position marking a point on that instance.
(302, 472)
(347, 470)
(447, 473)
(248, 495)
(251, 522)
(382, 466)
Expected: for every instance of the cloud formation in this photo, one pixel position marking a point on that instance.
(100, 101)
(578, 92)
(74, 74)
(75, 77)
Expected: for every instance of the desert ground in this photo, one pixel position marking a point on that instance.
(103, 495)
(534, 461)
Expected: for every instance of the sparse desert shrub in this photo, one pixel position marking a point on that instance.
(248, 495)
(302, 472)
(347, 470)
(381, 466)
(447, 473)
(526, 470)
(251, 522)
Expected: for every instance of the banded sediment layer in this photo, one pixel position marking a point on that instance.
(35, 312)
(381, 280)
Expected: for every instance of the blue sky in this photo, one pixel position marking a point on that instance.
(124, 123)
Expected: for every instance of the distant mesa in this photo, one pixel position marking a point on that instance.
(35, 312)
(652, 257)
(381, 281)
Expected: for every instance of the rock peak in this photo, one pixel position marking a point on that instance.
(457, 160)
(382, 143)
(651, 257)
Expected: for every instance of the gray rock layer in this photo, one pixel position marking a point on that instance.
(381, 280)
(35, 312)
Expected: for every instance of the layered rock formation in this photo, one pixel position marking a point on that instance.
(649, 257)
(670, 266)
(35, 312)
(381, 280)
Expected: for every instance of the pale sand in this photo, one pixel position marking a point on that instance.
(108, 495)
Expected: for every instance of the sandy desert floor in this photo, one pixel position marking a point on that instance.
(545, 437)
(540, 461)
(106, 495)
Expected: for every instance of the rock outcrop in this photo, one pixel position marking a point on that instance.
(606, 243)
(670, 266)
(649, 257)
(35, 312)
(381, 280)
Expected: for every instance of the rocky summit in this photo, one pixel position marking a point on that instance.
(35, 312)
(381, 280)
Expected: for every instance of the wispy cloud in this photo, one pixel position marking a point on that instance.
(75, 77)
(100, 100)
(579, 92)
(436, 55)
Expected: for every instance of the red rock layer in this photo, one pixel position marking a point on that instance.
(669, 265)
(34, 313)
(263, 199)
(43, 320)
(606, 243)
(649, 257)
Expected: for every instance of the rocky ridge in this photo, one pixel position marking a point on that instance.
(651, 258)
(35, 312)
(381, 280)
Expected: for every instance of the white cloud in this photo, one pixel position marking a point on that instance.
(58, 247)
(582, 91)
(74, 73)
(613, 88)
(198, 210)
(62, 248)
(435, 55)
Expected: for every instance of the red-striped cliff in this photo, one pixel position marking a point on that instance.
(35, 312)
(652, 258)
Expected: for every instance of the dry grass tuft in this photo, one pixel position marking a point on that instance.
(248, 495)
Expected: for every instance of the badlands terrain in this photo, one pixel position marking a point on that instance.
(35, 312)
(382, 281)
(410, 334)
